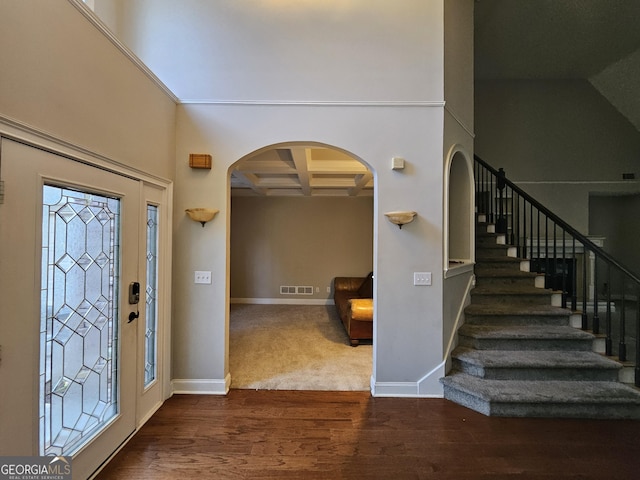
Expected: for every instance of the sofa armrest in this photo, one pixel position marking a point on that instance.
(361, 309)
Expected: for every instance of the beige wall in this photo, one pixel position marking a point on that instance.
(303, 241)
(62, 76)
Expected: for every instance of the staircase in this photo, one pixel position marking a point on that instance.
(518, 354)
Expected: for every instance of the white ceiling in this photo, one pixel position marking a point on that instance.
(301, 171)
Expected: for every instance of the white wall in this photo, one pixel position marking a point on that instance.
(558, 140)
(331, 50)
(406, 316)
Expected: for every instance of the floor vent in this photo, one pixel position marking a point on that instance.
(295, 290)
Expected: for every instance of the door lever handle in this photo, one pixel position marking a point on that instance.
(133, 316)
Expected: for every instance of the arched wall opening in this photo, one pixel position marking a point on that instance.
(301, 215)
(459, 211)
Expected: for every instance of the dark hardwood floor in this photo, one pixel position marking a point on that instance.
(350, 435)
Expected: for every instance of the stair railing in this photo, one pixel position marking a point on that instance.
(573, 264)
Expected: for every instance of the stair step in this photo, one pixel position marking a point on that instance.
(494, 250)
(502, 262)
(507, 314)
(550, 399)
(535, 365)
(524, 337)
(490, 238)
(492, 294)
(499, 275)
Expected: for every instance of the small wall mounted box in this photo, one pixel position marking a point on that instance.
(397, 163)
(200, 160)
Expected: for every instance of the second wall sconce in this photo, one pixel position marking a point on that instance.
(401, 217)
(202, 215)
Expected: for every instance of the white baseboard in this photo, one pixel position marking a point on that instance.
(428, 386)
(283, 301)
(201, 386)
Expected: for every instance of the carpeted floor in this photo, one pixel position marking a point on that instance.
(294, 347)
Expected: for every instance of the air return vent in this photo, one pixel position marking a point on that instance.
(295, 290)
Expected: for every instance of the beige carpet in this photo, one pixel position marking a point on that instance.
(291, 347)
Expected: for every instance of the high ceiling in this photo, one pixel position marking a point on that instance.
(301, 171)
(594, 40)
(553, 39)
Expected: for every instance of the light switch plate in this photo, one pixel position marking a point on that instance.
(422, 278)
(202, 277)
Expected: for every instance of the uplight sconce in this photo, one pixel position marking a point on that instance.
(401, 218)
(202, 215)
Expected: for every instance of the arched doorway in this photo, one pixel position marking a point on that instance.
(301, 215)
(459, 211)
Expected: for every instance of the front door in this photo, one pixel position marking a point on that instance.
(69, 237)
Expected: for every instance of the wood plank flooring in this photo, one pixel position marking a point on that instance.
(262, 434)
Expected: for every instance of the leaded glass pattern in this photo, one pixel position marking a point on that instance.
(150, 368)
(79, 310)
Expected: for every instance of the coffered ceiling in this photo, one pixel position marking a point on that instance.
(301, 171)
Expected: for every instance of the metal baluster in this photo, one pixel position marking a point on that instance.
(585, 318)
(513, 219)
(538, 241)
(622, 346)
(608, 341)
(555, 258)
(524, 227)
(546, 252)
(638, 339)
(574, 268)
(564, 270)
(596, 316)
(531, 229)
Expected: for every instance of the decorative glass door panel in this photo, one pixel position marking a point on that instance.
(150, 342)
(79, 317)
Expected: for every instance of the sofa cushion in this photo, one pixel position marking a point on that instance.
(366, 288)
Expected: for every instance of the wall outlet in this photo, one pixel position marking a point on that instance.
(202, 277)
(422, 278)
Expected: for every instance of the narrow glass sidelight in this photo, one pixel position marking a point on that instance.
(79, 317)
(150, 365)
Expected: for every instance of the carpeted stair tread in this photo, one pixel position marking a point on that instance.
(534, 359)
(501, 272)
(547, 398)
(510, 310)
(525, 332)
(510, 290)
(557, 391)
(489, 260)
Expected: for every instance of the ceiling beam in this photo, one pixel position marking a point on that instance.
(301, 157)
(250, 180)
(361, 182)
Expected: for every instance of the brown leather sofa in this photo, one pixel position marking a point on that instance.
(353, 297)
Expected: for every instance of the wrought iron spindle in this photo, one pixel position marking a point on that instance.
(608, 342)
(622, 345)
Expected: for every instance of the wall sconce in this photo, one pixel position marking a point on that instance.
(202, 215)
(400, 218)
